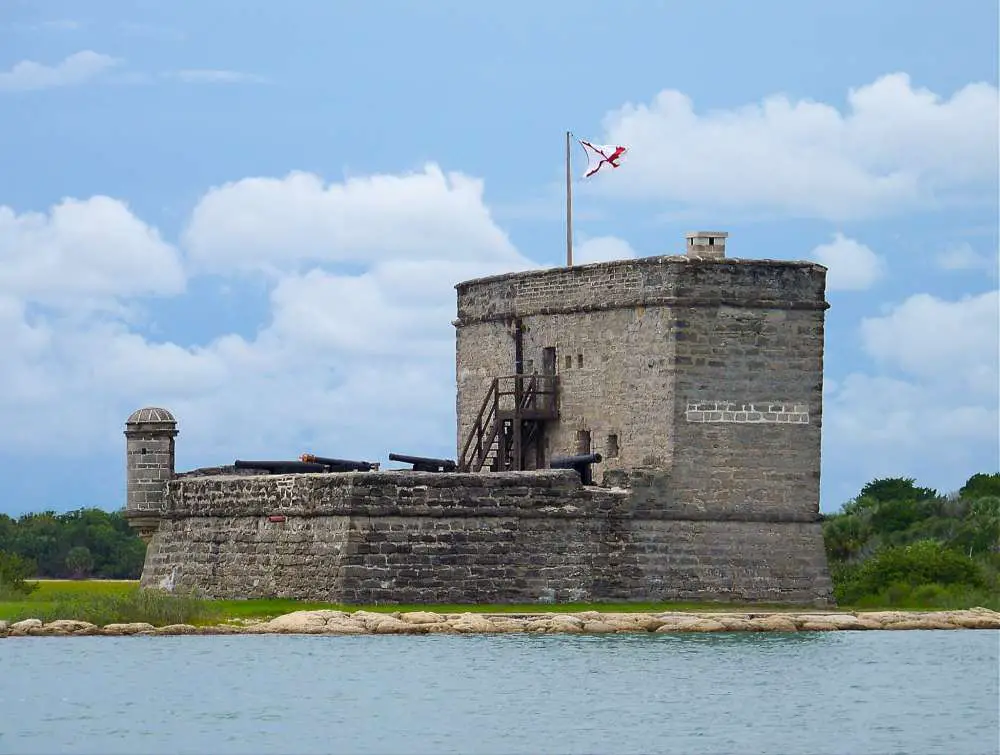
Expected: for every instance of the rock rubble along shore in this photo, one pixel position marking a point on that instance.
(588, 622)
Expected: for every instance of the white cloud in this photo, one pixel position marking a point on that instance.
(895, 147)
(92, 250)
(214, 76)
(354, 357)
(852, 265)
(263, 222)
(355, 353)
(78, 68)
(602, 249)
(930, 410)
(956, 342)
(963, 257)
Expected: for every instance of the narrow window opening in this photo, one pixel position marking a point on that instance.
(569, 361)
(612, 446)
(583, 441)
(579, 360)
(143, 452)
(549, 360)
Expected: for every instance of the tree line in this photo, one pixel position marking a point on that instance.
(87, 543)
(901, 544)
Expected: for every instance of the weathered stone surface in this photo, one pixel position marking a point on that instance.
(65, 627)
(591, 622)
(392, 625)
(420, 617)
(23, 627)
(696, 624)
(600, 627)
(700, 380)
(773, 623)
(176, 629)
(817, 626)
(126, 629)
(702, 376)
(440, 538)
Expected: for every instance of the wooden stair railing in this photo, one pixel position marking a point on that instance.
(487, 442)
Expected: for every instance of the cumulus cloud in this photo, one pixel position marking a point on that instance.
(94, 249)
(952, 341)
(964, 257)
(930, 404)
(602, 249)
(78, 68)
(355, 354)
(894, 147)
(262, 222)
(852, 265)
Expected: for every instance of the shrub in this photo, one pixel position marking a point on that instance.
(923, 562)
(14, 571)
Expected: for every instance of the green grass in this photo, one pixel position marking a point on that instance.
(105, 602)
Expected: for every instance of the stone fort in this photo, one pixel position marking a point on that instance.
(694, 382)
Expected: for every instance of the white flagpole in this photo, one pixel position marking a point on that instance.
(569, 207)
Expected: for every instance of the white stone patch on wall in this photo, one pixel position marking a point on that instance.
(774, 413)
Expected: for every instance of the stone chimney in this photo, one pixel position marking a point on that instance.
(707, 244)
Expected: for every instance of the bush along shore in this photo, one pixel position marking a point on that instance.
(331, 622)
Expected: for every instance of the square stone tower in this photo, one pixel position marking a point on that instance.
(697, 374)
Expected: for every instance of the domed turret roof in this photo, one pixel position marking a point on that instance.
(150, 414)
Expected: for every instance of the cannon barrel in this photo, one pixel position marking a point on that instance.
(569, 462)
(280, 467)
(340, 465)
(425, 463)
(579, 464)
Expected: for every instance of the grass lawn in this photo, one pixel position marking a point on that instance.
(113, 600)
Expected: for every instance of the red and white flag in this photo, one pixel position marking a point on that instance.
(602, 155)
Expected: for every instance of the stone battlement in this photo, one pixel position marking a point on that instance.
(644, 282)
(387, 537)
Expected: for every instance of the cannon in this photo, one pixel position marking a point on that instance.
(579, 464)
(425, 464)
(340, 465)
(280, 467)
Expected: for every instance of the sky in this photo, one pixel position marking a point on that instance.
(254, 213)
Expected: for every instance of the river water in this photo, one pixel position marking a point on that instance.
(856, 693)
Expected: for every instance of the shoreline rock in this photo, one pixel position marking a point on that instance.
(328, 622)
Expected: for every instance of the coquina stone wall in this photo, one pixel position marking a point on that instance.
(410, 537)
(639, 343)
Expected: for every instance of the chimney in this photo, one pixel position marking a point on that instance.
(707, 244)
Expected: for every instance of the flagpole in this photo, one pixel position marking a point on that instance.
(569, 207)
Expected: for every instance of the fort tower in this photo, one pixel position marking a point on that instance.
(149, 454)
(696, 374)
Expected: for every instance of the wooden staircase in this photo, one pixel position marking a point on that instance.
(510, 424)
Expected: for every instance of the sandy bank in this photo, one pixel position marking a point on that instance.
(589, 622)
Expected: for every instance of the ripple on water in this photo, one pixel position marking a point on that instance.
(927, 692)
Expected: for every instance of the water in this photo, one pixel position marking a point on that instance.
(816, 693)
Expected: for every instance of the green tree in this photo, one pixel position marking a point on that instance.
(14, 570)
(981, 486)
(79, 561)
(896, 489)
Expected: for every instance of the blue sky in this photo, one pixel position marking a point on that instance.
(254, 213)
